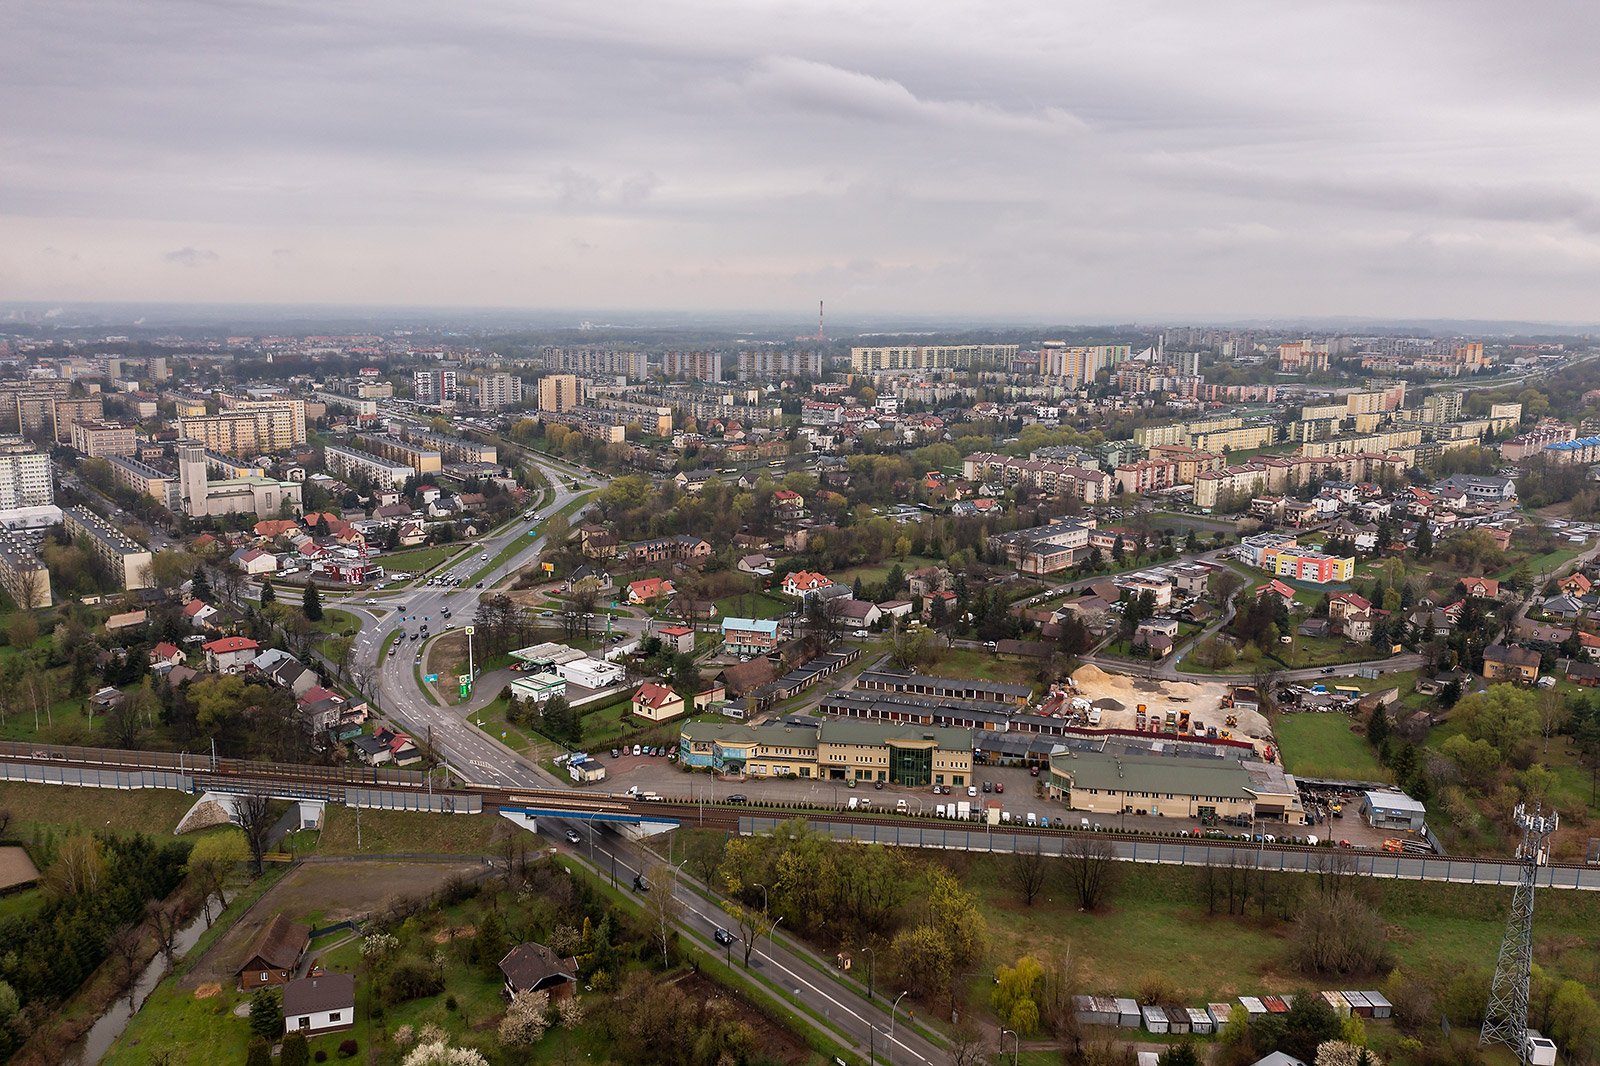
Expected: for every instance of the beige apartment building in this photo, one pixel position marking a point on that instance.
(100, 439)
(1238, 439)
(559, 392)
(127, 559)
(499, 390)
(422, 460)
(231, 432)
(280, 424)
(26, 579)
(1076, 365)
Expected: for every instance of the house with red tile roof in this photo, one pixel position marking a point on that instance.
(647, 589)
(230, 655)
(165, 655)
(1487, 587)
(805, 583)
(657, 703)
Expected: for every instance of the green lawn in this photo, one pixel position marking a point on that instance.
(492, 719)
(1156, 923)
(754, 605)
(1544, 564)
(421, 560)
(1322, 745)
(978, 662)
(142, 810)
(408, 831)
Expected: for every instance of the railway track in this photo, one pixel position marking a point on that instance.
(904, 830)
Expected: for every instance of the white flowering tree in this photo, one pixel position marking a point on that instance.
(526, 1019)
(442, 1054)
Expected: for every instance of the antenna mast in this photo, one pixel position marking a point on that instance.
(1506, 1020)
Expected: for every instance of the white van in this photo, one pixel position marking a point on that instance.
(1033, 820)
(901, 806)
(938, 811)
(854, 803)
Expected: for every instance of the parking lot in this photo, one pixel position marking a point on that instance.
(1023, 794)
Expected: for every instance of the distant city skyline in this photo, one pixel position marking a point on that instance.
(931, 161)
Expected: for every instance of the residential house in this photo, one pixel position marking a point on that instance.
(805, 584)
(657, 703)
(165, 656)
(692, 481)
(859, 613)
(756, 564)
(649, 589)
(596, 542)
(749, 636)
(788, 504)
(1502, 663)
(254, 561)
(895, 608)
(1280, 590)
(946, 602)
(533, 967)
(926, 580)
(230, 655)
(199, 614)
(370, 750)
(1485, 587)
(325, 1003)
(680, 548)
(1576, 584)
(274, 954)
(1342, 605)
(403, 751)
(679, 638)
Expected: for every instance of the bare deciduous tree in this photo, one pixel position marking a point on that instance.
(662, 908)
(254, 815)
(1029, 871)
(1089, 863)
(164, 917)
(124, 950)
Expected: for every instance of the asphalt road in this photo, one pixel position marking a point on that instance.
(774, 959)
(391, 679)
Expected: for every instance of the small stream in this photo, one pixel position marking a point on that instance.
(109, 1026)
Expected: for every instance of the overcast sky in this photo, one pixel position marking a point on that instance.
(1056, 160)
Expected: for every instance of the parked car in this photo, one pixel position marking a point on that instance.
(999, 786)
(972, 790)
(637, 749)
(988, 786)
(616, 753)
(738, 797)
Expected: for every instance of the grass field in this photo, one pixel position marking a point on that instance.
(754, 605)
(1322, 745)
(976, 662)
(144, 810)
(1544, 564)
(407, 832)
(421, 560)
(1156, 924)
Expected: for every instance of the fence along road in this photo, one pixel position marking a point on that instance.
(404, 790)
(1279, 858)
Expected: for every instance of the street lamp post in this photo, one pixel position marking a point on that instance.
(1016, 1045)
(890, 1049)
(872, 966)
(773, 928)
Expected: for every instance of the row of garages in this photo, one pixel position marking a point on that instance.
(1129, 1014)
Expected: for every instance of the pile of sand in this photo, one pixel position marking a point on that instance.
(1090, 674)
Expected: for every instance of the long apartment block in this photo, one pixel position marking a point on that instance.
(128, 560)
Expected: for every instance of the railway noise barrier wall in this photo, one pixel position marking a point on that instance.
(46, 774)
(386, 800)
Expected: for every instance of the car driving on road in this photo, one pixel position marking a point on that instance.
(573, 837)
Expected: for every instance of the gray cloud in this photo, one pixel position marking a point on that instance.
(1097, 160)
(191, 257)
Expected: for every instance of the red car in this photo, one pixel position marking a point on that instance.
(998, 787)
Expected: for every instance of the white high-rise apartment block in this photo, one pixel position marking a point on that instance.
(499, 390)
